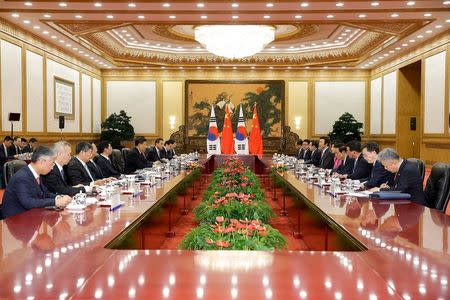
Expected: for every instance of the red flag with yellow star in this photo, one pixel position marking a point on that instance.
(255, 144)
(227, 140)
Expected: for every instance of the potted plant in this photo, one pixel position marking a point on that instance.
(346, 129)
(117, 128)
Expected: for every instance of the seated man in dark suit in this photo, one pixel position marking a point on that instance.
(5, 154)
(407, 178)
(25, 190)
(300, 151)
(173, 148)
(93, 167)
(104, 160)
(327, 158)
(77, 170)
(379, 174)
(361, 168)
(31, 146)
(168, 147)
(307, 152)
(55, 180)
(136, 158)
(16, 147)
(157, 153)
(346, 167)
(315, 154)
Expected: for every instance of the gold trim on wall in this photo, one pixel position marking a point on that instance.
(24, 90)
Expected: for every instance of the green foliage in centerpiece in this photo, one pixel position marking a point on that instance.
(233, 214)
(233, 234)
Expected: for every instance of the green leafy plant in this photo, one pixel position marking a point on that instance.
(117, 128)
(346, 129)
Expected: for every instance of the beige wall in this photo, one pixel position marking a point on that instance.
(27, 71)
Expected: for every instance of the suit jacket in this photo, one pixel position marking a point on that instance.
(24, 193)
(301, 153)
(153, 156)
(136, 161)
(346, 167)
(4, 156)
(361, 169)
(327, 159)
(378, 176)
(27, 149)
(408, 180)
(169, 154)
(96, 172)
(106, 167)
(14, 150)
(76, 173)
(315, 158)
(307, 155)
(55, 183)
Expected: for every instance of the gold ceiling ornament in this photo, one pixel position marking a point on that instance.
(121, 53)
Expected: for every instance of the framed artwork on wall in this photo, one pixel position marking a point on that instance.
(64, 98)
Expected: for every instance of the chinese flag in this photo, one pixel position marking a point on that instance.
(227, 141)
(255, 144)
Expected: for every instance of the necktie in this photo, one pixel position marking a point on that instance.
(157, 152)
(38, 180)
(89, 173)
(354, 166)
(62, 175)
(6, 150)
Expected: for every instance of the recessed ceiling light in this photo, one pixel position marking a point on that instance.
(166, 5)
(36, 27)
(266, 17)
(127, 34)
(234, 5)
(404, 45)
(330, 17)
(172, 17)
(298, 16)
(269, 5)
(26, 22)
(343, 67)
(54, 37)
(306, 67)
(15, 15)
(446, 2)
(204, 17)
(420, 36)
(45, 32)
(394, 15)
(273, 47)
(217, 67)
(375, 3)
(235, 17)
(362, 16)
(158, 45)
(447, 21)
(304, 4)
(270, 67)
(141, 17)
(289, 67)
(147, 43)
(199, 68)
(75, 48)
(410, 3)
(397, 48)
(200, 5)
(427, 15)
(163, 67)
(62, 4)
(180, 67)
(28, 4)
(391, 51)
(110, 16)
(325, 67)
(47, 16)
(61, 41)
(412, 41)
(78, 16)
(234, 68)
(68, 45)
(97, 4)
(253, 67)
(131, 4)
(339, 4)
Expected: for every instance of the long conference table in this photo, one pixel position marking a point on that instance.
(50, 255)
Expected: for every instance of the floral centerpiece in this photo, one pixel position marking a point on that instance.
(233, 234)
(233, 214)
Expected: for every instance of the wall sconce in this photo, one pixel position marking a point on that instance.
(297, 121)
(172, 122)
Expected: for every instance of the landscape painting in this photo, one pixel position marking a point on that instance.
(268, 96)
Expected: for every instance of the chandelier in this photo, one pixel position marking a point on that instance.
(234, 41)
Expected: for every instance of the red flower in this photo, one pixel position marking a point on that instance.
(230, 229)
(220, 219)
(209, 241)
(223, 244)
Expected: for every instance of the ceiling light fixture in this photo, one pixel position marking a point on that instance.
(166, 5)
(110, 16)
(172, 17)
(298, 16)
(330, 17)
(410, 3)
(200, 5)
(45, 32)
(15, 15)
(26, 22)
(204, 17)
(247, 40)
(132, 5)
(234, 5)
(427, 15)
(446, 2)
(339, 4)
(235, 17)
(266, 17)
(97, 4)
(47, 16)
(362, 16)
(62, 4)
(269, 5)
(78, 16)
(141, 17)
(28, 4)
(304, 4)
(375, 3)
(394, 15)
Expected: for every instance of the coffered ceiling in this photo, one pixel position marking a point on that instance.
(309, 34)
